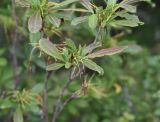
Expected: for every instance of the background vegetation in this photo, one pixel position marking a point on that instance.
(129, 91)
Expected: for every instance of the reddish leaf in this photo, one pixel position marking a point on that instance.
(107, 51)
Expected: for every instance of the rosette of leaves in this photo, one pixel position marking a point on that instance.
(23, 101)
(45, 14)
(115, 15)
(71, 56)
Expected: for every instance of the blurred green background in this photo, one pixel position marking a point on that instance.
(129, 91)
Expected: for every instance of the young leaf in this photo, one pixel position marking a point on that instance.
(111, 3)
(105, 52)
(35, 22)
(68, 65)
(79, 20)
(18, 115)
(93, 21)
(71, 44)
(93, 66)
(54, 66)
(50, 49)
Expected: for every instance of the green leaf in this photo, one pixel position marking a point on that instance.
(91, 47)
(93, 66)
(129, 8)
(44, 2)
(50, 49)
(108, 51)
(65, 3)
(128, 23)
(54, 20)
(54, 66)
(93, 21)
(34, 37)
(6, 103)
(87, 4)
(18, 115)
(129, 5)
(79, 20)
(35, 22)
(129, 20)
(68, 65)
(111, 3)
(71, 44)
(3, 62)
(38, 88)
(21, 3)
(34, 3)
(2, 51)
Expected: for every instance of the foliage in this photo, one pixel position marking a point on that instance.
(75, 40)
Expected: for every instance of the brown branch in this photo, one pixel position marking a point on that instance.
(59, 104)
(73, 96)
(14, 46)
(45, 102)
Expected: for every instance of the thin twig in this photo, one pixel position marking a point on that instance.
(98, 33)
(59, 105)
(45, 102)
(14, 45)
(69, 99)
(73, 96)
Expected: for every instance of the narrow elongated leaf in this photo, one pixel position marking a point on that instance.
(54, 20)
(130, 20)
(128, 5)
(93, 21)
(91, 47)
(50, 49)
(132, 1)
(105, 52)
(87, 4)
(79, 20)
(128, 23)
(129, 8)
(54, 66)
(70, 44)
(93, 66)
(22, 3)
(129, 17)
(35, 22)
(64, 3)
(18, 115)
